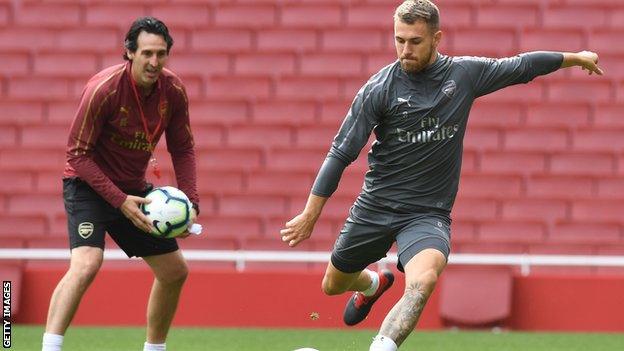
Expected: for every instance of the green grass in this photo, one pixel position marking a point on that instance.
(28, 338)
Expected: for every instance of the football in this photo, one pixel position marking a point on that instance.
(169, 211)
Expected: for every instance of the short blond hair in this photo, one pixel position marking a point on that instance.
(411, 11)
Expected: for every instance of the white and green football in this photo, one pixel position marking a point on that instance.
(169, 211)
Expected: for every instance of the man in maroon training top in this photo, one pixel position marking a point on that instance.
(122, 113)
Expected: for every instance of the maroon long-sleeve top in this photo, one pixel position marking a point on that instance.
(108, 147)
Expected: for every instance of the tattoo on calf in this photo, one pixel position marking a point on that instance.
(402, 318)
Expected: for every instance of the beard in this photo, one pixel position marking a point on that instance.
(413, 64)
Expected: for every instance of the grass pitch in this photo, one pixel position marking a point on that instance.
(28, 338)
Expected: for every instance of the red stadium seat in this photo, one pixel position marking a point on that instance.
(199, 65)
(21, 182)
(583, 164)
(19, 112)
(252, 205)
(515, 232)
(211, 182)
(567, 16)
(110, 15)
(500, 115)
(246, 16)
(308, 89)
(39, 88)
(237, 228)
(278, 112)
(16, 63)
(259, 136)
(333, 112)
(44, 136)
(79, 65)
(560, 115)
(311, 16)
(296, 159)
(315, 137)
(473, 40)
(182, 15)
(332, 65)
(525, 94)
(221, 40)
(218, 112)
(463, 232)
(46, 205)
(576, 91)
(265, 64)
(601, 40)
(555, 39)
(523, 15)
(474, 209)
(586, 233)
(230, 159)
(476, 296)
(535, 139)
(206, 136)
(479, 139)
(370, 16)
(559, 187)
(279, 183)
(598, 210)
(492, 186)
(544, 210)
(598, 140)
(286, 40)
(74, 39)
(611, 187)
(239, 87)
(23, 225)
(26, 38)
(347, 41)
(529, 162)
(609, 115)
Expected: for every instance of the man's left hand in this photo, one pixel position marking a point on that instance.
(589, 61)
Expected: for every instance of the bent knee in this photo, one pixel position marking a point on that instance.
(331, 287)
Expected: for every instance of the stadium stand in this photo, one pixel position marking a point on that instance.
(269, 83)
(476, 296)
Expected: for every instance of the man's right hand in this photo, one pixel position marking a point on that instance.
(130, 209)
(298, 229)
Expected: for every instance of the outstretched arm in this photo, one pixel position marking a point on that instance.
(489, 75)
(587, 60)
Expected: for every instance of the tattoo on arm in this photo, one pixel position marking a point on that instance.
(402, 318)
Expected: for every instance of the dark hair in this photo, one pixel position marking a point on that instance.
(411, 11)
(149, 25)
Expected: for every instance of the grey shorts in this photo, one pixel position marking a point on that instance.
(369, 233)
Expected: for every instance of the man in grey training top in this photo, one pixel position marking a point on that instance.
(418, 107)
